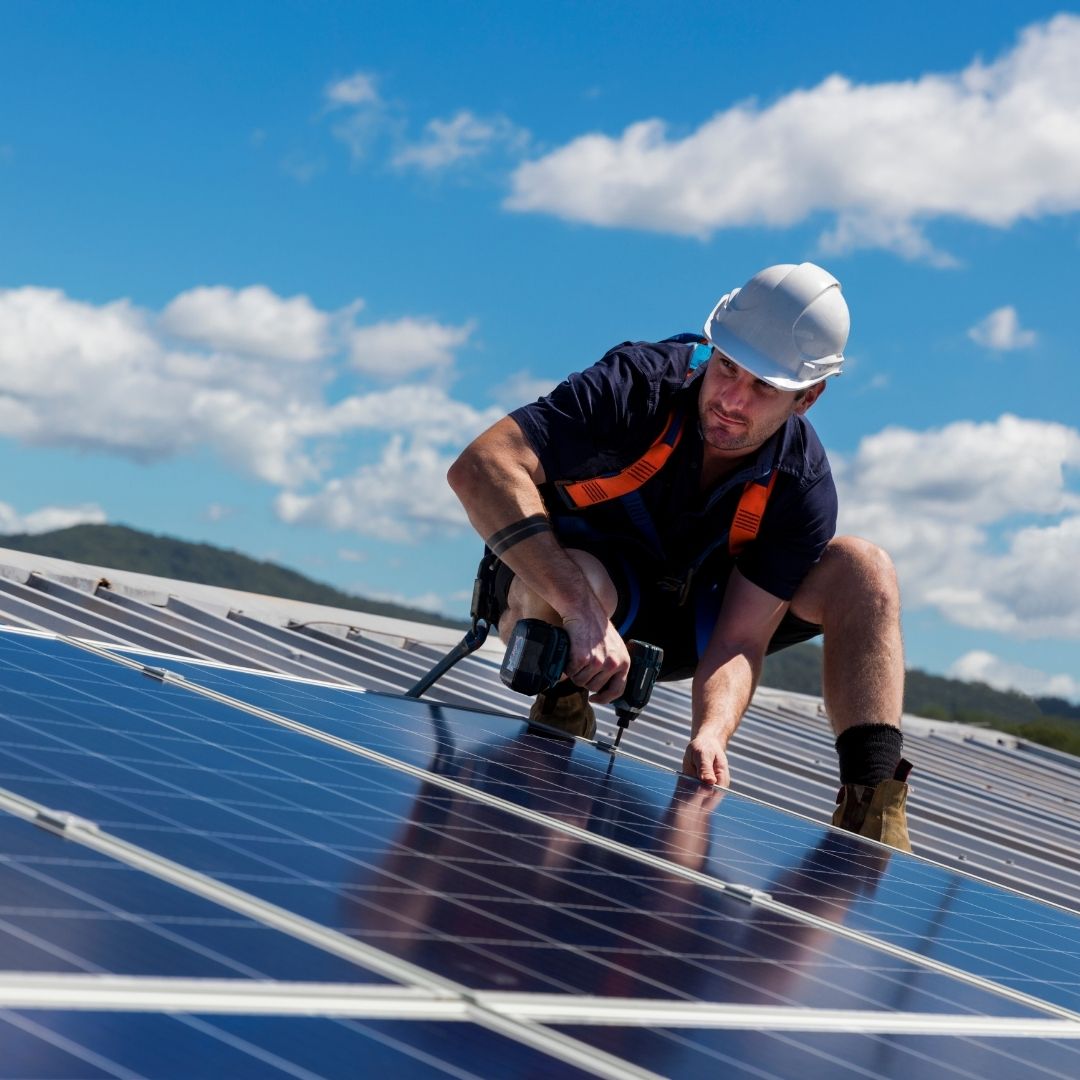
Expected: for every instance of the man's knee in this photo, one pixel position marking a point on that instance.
(852, 572)
(596, 573)
(523, 603)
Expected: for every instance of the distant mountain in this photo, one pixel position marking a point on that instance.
(121, 548)
(1051, 721)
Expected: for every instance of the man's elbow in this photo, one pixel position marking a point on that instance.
(463, 476)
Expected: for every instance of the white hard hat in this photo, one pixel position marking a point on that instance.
(787, 325)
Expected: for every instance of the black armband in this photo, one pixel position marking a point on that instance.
(513, 534)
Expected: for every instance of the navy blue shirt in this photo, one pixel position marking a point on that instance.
(604, 418)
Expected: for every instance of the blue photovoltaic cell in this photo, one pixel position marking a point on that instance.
(466, 890)
(65, 908)
(50, 1045)
(1021, 943)
(846, 1056)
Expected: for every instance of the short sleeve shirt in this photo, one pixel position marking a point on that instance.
(602, 419)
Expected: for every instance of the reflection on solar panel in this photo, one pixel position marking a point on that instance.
(246, 875)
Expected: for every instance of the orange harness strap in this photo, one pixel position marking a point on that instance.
(748, 514)
(600, 489)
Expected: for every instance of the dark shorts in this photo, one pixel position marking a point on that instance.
(647, 612)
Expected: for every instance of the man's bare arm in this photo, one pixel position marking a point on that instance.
(727, 675)
(497, 479)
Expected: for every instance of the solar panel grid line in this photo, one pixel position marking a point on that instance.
(142, 993)
(89, 835)
(69, 1046)
(44, 945)
(246, 1047)
(640, 856)
(110, 909)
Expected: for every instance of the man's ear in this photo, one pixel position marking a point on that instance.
(810, 395)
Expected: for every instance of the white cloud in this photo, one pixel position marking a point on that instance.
(48, 518)
(465, 135)
(105, 379)
(216, 512)
(356, 89)
(403, 497)
(428, 601)
(362, 116)
(254, 321)
(395, 349)
(423, 410)
(302, 167)
(994, 143)
(1001, 331)
(981, 666)
(980, 519)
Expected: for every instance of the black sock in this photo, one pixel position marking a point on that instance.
(869, 753)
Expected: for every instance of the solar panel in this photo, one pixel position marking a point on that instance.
(907, 902)
(68, 909)
(578, 902)
(89, 1044)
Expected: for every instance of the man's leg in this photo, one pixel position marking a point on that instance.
(853, 595)
(566, 706)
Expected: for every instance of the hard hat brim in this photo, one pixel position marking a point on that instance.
(764, 368)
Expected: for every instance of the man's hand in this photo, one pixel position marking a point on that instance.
(598, 658)
(706, 758)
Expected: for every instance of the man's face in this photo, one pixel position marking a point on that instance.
(739, 411)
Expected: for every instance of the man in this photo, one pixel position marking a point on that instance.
(676, 493)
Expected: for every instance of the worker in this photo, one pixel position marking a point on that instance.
(675, 492)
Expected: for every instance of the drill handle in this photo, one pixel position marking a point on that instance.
(645, 662)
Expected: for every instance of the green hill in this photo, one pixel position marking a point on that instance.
(122, 548)
(1050, 721)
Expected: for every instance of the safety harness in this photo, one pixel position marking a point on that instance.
(625, 483)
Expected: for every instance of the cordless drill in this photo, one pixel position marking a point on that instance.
(536, 658)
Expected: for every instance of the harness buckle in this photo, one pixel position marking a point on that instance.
(680, 585)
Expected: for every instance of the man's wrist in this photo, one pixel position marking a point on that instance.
(504, 539)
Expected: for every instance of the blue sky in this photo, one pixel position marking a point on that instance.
(265, 269)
